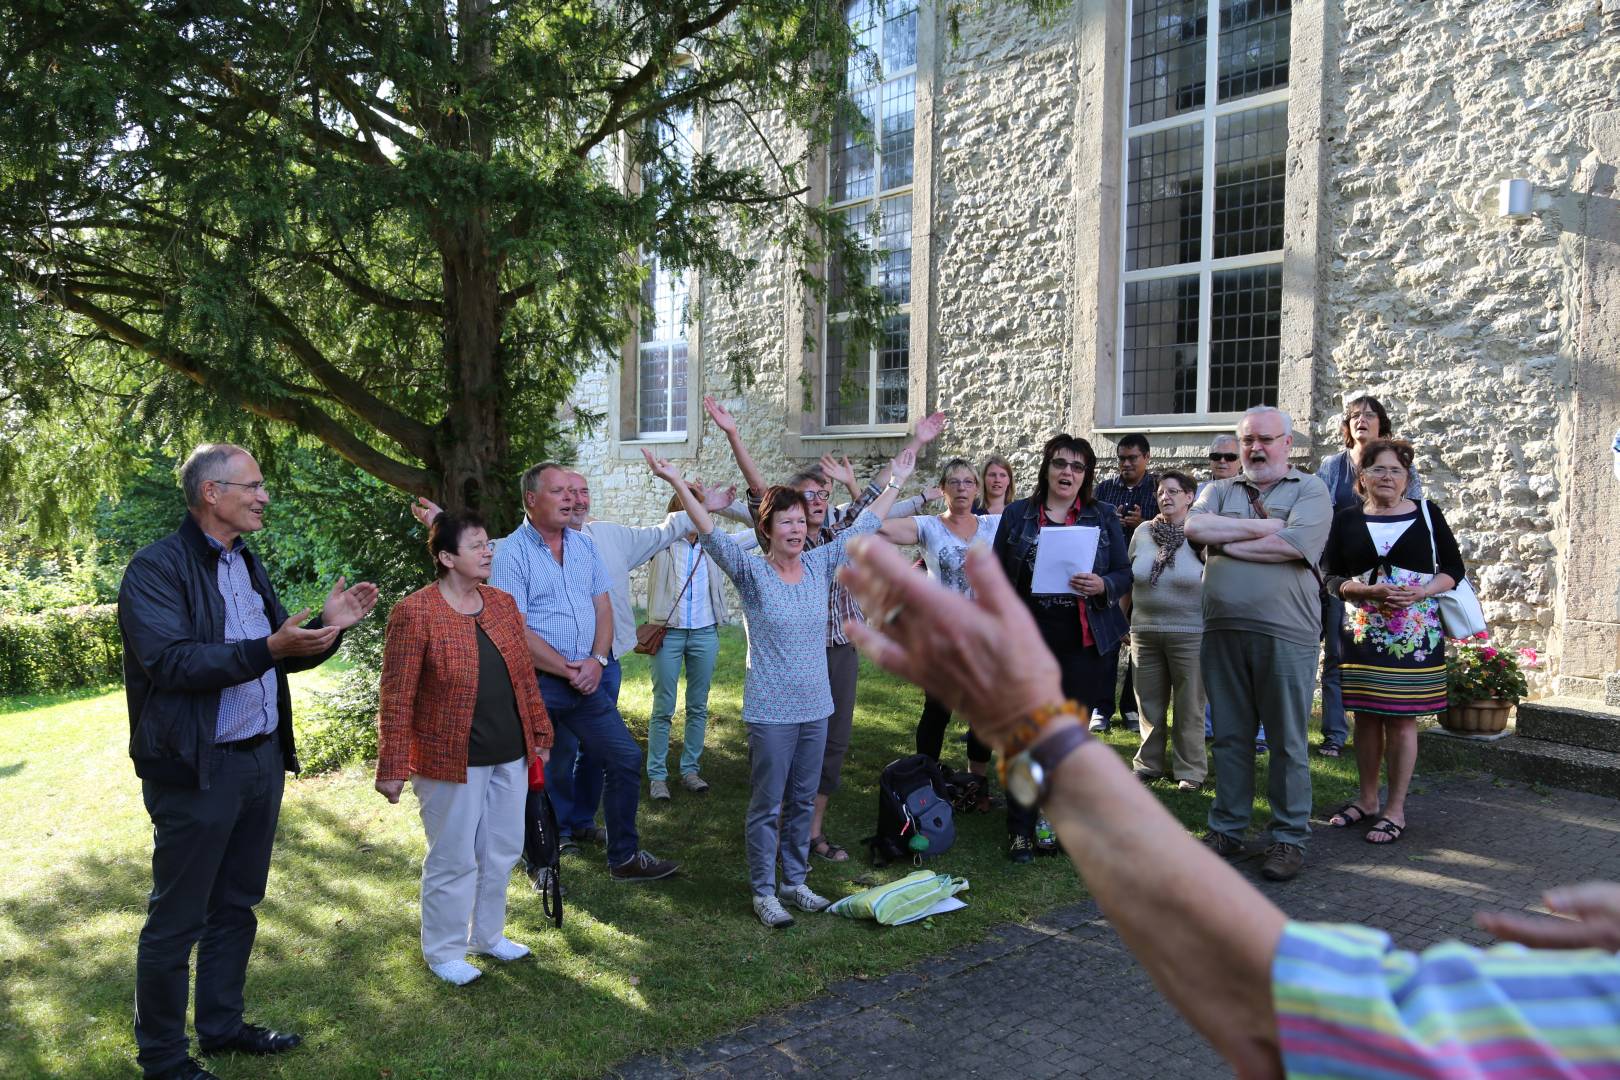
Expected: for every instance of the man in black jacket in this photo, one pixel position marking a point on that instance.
(207, 649)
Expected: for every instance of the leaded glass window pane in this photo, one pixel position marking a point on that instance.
(1254, 47)
(1161, 345)
(1245, 338)
(1167, 58)
(1165, 198)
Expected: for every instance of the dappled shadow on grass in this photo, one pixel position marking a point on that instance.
(12, 769)
(16, 703)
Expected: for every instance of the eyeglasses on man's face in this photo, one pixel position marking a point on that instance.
(1383, 471)
(1063, 464)
(816, 494)
(256, 486)
(1223, 455)
(1262, 440)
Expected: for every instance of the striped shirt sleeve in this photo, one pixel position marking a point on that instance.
(1350, 1005)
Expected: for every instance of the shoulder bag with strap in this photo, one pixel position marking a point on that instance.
(1259, 509)
(1461, 615)
(650, 635)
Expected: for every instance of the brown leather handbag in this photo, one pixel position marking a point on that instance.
(650, 635)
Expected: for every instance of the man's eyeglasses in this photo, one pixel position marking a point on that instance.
(817, 495)
(1223, 456)
(1263, 440)
(257, 485)
(1386, 470)
(1063, 464)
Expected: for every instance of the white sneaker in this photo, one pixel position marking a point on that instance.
(455, 972)
(1098, 725)
(772, 913)
(506, 950)
(659, 789)
(804, 898)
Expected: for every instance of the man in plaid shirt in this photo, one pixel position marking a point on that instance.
(825, 522)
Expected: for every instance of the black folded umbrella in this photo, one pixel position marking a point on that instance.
(542, 854)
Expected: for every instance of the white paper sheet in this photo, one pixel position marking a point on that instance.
(1064, 551)
(950, 903)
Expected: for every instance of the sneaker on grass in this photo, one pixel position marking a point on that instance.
(804, 898)
(694, 783)
(643, 866)
(659, 789)
(455, 972)
(772, 913)
(506, 950)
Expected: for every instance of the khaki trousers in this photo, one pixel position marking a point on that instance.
(1167, 671)
(474, 837)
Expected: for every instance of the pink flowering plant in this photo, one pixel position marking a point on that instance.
(1476, 670)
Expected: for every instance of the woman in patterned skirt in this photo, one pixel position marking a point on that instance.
(1388, 559)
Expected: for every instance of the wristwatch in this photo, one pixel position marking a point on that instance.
(600, 659)
(1029, 775)
(893, 483)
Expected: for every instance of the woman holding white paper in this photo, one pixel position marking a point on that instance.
(1083, 626)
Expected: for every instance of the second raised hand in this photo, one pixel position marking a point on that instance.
(904, 464)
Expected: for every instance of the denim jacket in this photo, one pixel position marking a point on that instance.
(1339, 474)
(1018, 537)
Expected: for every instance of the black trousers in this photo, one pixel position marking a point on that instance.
(210, 863)
(931, 732)
(1088, 677)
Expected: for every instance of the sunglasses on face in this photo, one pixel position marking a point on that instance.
(1068, 465)
(1223, 456)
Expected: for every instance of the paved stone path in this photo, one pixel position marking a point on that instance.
(1061, 996)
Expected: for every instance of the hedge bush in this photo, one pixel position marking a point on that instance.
(62, 649)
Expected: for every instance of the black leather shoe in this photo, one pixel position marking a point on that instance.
(188, 1069)
(253, 1039)
(1021, 850)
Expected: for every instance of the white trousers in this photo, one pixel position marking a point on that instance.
(474, 837)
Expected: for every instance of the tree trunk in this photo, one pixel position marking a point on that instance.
(472, 441)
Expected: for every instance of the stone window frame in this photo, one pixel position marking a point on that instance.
(624, 417)
(805, 435)
(1101, 117)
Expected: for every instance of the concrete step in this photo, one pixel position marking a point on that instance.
(1571, 721)
(1516, 757)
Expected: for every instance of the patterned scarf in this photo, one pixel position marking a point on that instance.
(1169, 538)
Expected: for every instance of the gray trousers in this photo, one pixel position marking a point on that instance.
(784, 763)
(474, 837)
(1250, 678)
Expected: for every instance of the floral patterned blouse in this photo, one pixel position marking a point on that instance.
(1392, 548)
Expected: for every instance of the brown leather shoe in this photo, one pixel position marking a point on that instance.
(1283, 862)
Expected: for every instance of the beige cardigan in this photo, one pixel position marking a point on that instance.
(667, 573)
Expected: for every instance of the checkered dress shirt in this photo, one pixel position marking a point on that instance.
(840, 604)
(246, 709)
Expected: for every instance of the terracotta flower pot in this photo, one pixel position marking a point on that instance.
(1477, 717)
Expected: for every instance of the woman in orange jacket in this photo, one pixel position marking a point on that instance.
(462, 718)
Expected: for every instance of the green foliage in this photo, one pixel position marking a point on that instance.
(342, 729)
(400, 229)
(59, 650)
(1476, 670)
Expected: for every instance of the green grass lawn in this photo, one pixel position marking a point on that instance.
(635, 968)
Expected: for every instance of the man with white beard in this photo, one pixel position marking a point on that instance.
(1264, 532)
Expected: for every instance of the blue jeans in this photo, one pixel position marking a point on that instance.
(588, 726)
(586, 793)
(698, 649)
(784, 765)
(1334, 728)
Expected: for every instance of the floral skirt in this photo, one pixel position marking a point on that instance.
(1394, 658)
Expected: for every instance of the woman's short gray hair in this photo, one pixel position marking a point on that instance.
(205, 463)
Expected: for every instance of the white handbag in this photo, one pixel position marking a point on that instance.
(1460, 613)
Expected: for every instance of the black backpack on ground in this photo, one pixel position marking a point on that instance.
(542, 854)
(915, 820)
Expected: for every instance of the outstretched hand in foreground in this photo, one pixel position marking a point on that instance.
(982, 658)
(1590, 919)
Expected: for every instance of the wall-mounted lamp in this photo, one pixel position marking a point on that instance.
(1513, 197)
